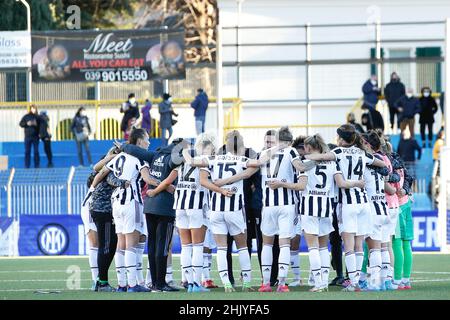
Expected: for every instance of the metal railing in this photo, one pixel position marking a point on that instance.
(104, 116)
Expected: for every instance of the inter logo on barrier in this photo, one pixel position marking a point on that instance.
(53, 239)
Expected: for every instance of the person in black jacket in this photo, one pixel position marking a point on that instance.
(351, 119)
(45, 135)
(407, 106)
(81, 131)
(393, 91)
(428, 108)
(407, 148)
(130, 110)
(30, 122)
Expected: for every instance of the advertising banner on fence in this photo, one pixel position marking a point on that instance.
(108, 55)
(15, 49)
(64, 235)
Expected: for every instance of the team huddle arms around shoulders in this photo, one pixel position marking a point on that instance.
(360, 183)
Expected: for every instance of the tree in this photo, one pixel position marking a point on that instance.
(199, 19)
(13, 15)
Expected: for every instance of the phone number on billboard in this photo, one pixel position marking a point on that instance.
(124, 75)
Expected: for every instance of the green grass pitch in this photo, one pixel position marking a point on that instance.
(24, 278)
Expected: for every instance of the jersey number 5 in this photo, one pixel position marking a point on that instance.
(323, 175)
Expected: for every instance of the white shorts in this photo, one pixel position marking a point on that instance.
(88, 222)
(224, 222)
(129, 217)
(278, 221)
(317, 225)
(355, 218)
(209, 242)
(380, 229)
(393, 219)
(189, 219)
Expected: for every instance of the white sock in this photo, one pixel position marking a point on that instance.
(222, 265)
(205, 273)
(130, 265)
(363, 275)
(246, 265)
(386, 263)
(283, 263)
(350, 263)
(139, 263)
(405, 280)
(210, 259)
(325, 263)
(119, 260)
(295, 264)
(266, 262)
(93, 254)
(148, 276)
(186, 262)
(197, 262)
(375, 266)
(315, 265)
(359, 256)
(169, 274)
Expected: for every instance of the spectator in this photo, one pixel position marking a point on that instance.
(394, 90)
(130, 109)
(130, 125)
(200, 105)
(81, 131)
(438, 144)
(372, 119)
(30, 123)
(165, 120)
(407, 148)
(146, 117)
(428, 108)
(442, 102)
(407, 107)
(371, 91)
(352, 120)
(45, 135)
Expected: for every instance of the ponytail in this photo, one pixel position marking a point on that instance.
(317, 143)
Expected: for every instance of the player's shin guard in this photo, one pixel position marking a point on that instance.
(130, 265)
(325, 263)
(139, 262)
(266, 262)
(246, 266)
(295, 264)
(186, 262)
(222, 265)
(283, 263)
(119, 260)
(359, 257)
(385, 264)
(350, 263)
(93, 262)
(197, 262)
(375, 267)
(315, 266)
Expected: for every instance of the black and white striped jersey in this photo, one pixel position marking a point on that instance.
(279, 168)
(126, 167)
(352, 161)
(222, 167)
(189, 193)
(375, 190)
(319, 191)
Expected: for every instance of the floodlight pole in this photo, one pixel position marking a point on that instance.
(308, 78)
(219, 84)
(29, 77)
(445, 151)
